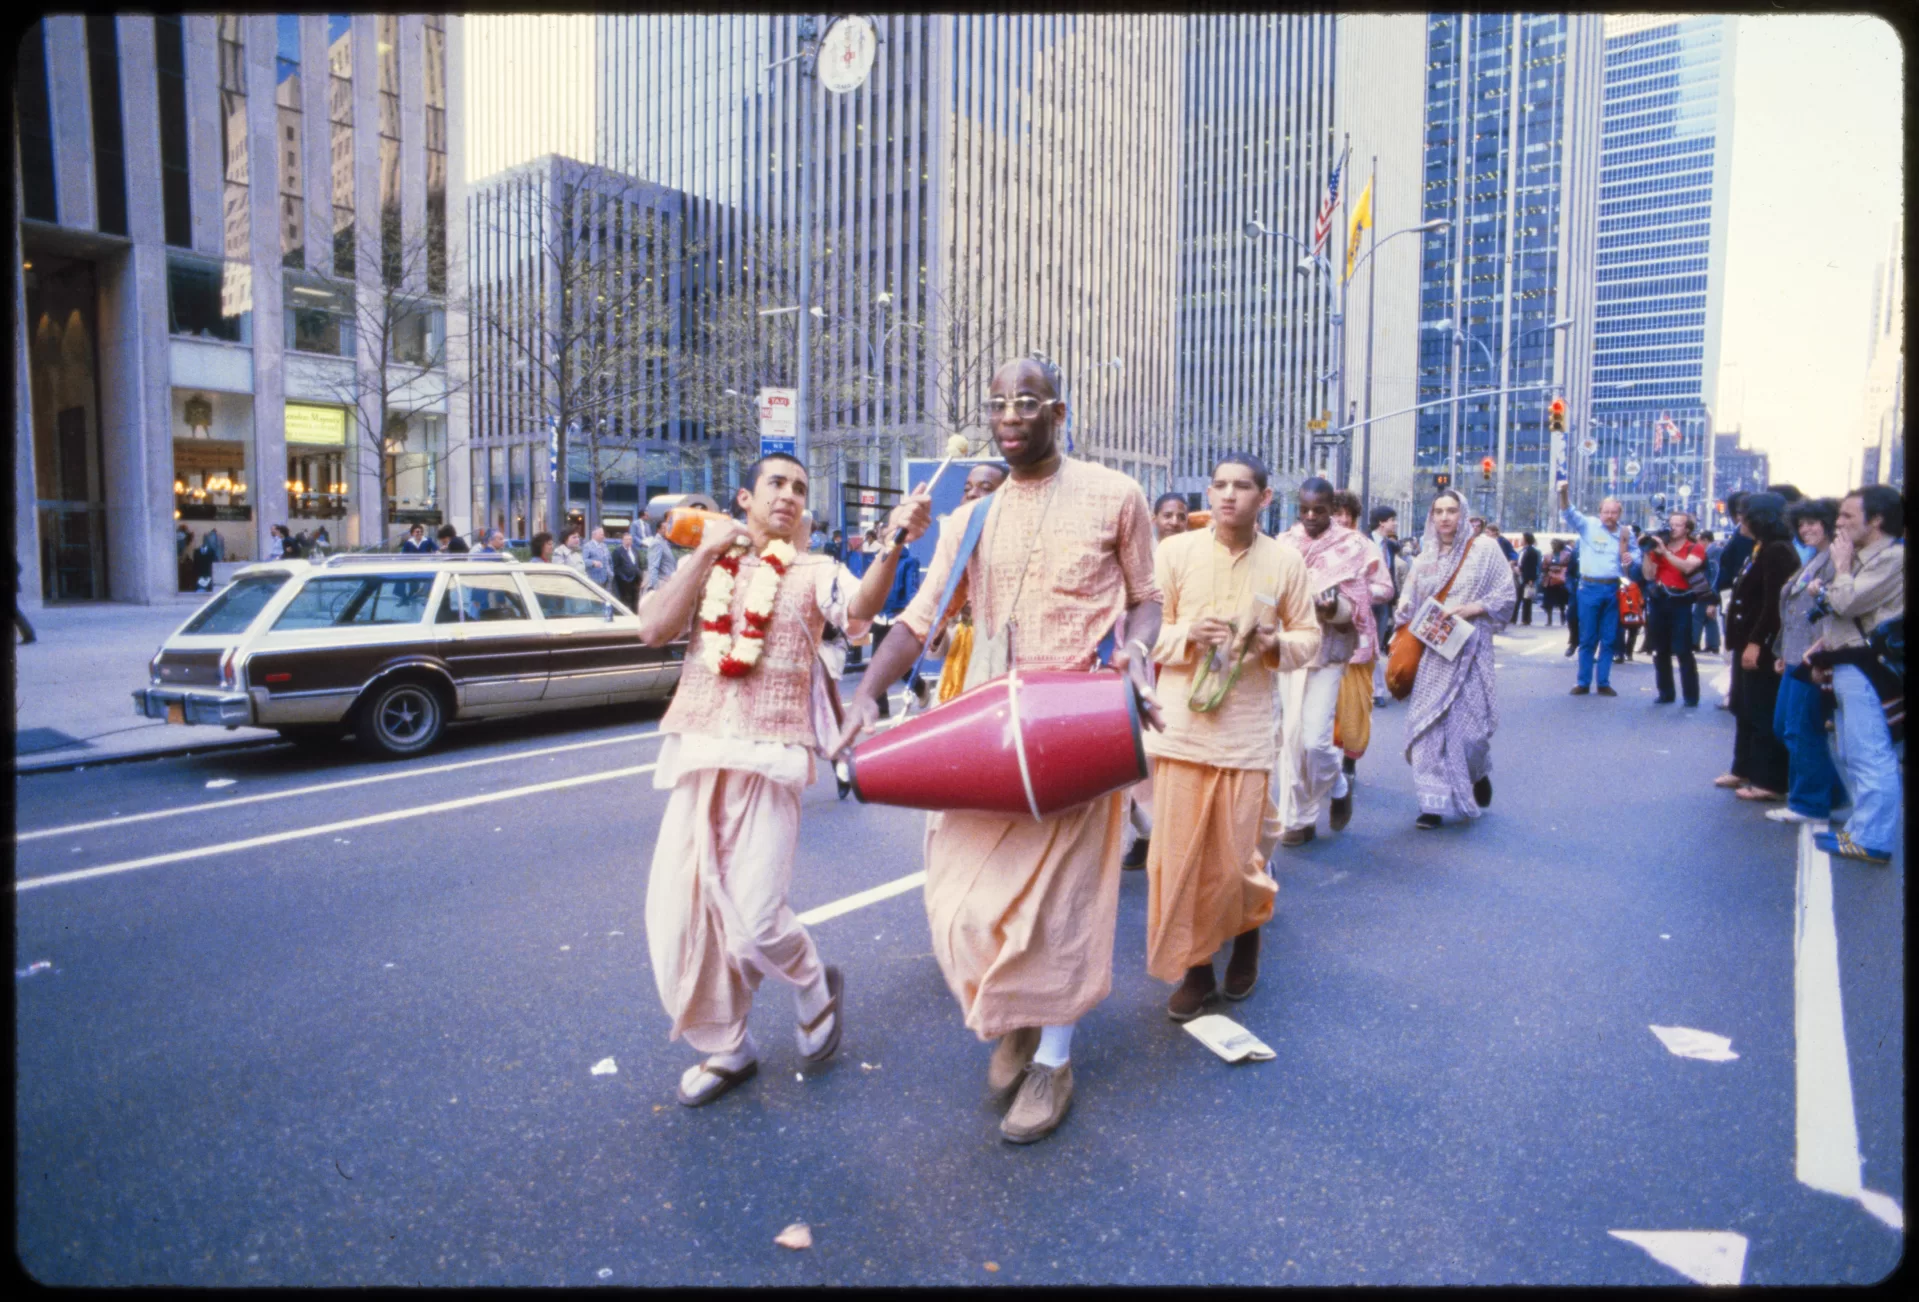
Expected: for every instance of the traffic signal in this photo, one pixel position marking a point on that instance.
(1442, 480)
(1486, 468)
(1556, 416)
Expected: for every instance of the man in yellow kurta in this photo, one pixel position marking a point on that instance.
(1023, 911)
(1236, 603)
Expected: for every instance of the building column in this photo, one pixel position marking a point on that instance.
(26, 518)
(269, 288)
(70, 101)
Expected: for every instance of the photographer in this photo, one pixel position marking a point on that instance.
(1669, 567)
(1867, 592)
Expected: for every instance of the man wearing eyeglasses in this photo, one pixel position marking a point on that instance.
(1023, 912)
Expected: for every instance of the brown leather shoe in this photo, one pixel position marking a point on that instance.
(1296, 836)
(1045, 1094)
(1190, 998)
(1010, 1056)
(1242, 969)
(1342, 808)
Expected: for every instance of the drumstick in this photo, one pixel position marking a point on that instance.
(955, 447)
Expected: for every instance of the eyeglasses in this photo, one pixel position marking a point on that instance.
(1026, 406)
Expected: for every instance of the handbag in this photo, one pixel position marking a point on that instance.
(1883, 661)
(1699, 582)
(1402, 666)
(1353, 713)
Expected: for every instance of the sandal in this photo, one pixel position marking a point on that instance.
(727, 1080)
(1757, 793)
(1729, 780)
(835, 987)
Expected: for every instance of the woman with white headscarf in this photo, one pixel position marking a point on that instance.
(1452, 713)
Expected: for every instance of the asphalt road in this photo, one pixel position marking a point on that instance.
(364, 1054)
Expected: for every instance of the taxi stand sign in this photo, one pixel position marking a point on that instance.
(779, 422)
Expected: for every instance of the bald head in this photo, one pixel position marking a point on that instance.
(1025, 375)
(1609, 512)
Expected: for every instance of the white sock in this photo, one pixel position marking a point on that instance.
(1055, 1046)
(1339, 785)
(747, 1052)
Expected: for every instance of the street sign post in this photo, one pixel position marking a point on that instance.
(779, 422)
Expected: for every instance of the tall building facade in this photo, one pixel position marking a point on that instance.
(233, 312)
(1506, 296)
(1665, 176)
(1884, 437)
(1259, 139)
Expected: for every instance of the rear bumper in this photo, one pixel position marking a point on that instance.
(218, 709)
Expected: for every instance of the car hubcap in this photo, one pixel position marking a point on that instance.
(406, 716)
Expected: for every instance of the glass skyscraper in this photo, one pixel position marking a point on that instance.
(1662, 235)
(1512, 113)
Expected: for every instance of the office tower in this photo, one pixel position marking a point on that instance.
(212, 208)
(1665, 173)
(1884, 460)
(1512, 161)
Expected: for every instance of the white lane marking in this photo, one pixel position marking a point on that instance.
(341, 785)
(1703, 1256)
(1828, 1129)
(1543, 647)
(1685, 1042)
(899, 886)
(326, 829)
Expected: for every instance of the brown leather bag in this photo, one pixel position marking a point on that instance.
(1402, 666)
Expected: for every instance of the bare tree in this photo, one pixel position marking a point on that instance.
(601, 339)
(393, 324)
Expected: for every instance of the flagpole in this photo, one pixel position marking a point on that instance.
(1345, 238)
(1372, 303)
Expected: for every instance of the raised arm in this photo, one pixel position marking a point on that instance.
(668, 612)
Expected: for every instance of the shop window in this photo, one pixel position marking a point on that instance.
(319, 317)
(197, 306)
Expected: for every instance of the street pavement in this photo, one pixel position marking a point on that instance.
(306, 1019)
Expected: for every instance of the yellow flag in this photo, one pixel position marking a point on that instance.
(1362, 218)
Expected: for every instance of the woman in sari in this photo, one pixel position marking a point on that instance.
(1452, 712)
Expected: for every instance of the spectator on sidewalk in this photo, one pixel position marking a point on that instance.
(322, 541)
(1868, 589)
(1813, 788)
(450, 540)
(417, 543)
(661, 561)
(1555, 594)
(1705, 610)
(1669, 566)
(1529, 564)
(495, 544)
(1606, 552)
(596, 558)
(1732, 558)
(1759, 763)
(626, 568)
(1385, 522)
(568, 552)
(540, 547)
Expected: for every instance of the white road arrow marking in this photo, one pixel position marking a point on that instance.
(1685, 1042)
(1703, 1256)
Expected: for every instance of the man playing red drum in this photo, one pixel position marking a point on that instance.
(738, 748)
(1023, 911)
(1238, 611)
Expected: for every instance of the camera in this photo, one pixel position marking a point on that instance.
(1820, 609)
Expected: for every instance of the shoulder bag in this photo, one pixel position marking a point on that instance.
(1402, 666)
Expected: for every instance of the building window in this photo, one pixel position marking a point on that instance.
(339, 32)
(415, 446)
(109, 138)
(435, 43)
(199, 304)
(419, 338)
(36, 127)
(287, 104)
(175, 189)
(391, 241)
(233, 139)
(319, 316)
(316, 443)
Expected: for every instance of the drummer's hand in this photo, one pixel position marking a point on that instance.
(915, 514)
(861, 713)
(1149, 699)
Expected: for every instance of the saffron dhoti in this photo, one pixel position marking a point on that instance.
(1214, 830)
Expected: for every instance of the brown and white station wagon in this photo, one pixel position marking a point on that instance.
(391, 648)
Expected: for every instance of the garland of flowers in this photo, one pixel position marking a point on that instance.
(736, 660)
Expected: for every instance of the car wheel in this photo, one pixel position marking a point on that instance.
(400, 718)
(312, 734)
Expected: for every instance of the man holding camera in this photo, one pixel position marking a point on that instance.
(1669, 567)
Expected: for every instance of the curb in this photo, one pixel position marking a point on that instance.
(170, 752)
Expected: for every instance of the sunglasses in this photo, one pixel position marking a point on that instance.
(1025, 406)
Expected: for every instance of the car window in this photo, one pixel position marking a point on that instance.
(357, 600)
(235, 609)
(489, 598)
(561, 596)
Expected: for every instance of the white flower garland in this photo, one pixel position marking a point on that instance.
(737, 658)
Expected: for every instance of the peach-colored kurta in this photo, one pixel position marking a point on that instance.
(1022, 912)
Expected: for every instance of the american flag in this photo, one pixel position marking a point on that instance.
(1324, 225)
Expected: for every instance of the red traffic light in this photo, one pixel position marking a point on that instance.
(1486, 467)
(1559, 407)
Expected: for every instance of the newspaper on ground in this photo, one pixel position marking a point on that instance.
(1228, 1039)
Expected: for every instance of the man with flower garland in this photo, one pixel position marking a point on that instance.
(738, 749)
(1023, 912)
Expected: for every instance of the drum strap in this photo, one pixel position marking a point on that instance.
(969, 541)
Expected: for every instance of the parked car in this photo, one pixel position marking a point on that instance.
(392, 648)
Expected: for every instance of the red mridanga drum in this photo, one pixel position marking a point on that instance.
(1037, 741)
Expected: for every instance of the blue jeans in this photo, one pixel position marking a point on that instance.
(1705, 626)
(1799, 720)
(1867, 758)
(1598, 628)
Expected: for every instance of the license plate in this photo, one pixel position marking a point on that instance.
(176, 712)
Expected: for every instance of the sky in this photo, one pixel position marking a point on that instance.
(1817, 188)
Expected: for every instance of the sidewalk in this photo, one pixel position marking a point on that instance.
(73, 686)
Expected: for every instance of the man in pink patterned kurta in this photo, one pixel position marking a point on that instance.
(1023, 912)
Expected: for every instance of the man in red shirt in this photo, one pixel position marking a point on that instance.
(1669, 622)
